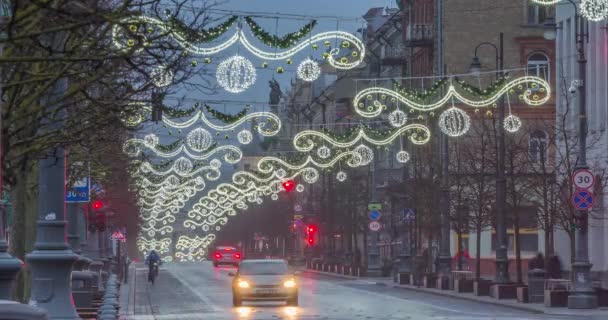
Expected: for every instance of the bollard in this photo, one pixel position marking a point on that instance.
(17, 311)
(536, 286)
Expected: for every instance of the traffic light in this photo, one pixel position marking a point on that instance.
(97, 205)
(288, 185)
(311, 231)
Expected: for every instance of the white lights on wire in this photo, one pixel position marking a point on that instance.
(215, 163)
(199, 139)
(182, 166)
(397, 118)
(324, 152)
(454, 122)
(236, 74)
(594, 10)
(308, 70)
(151, 140)
(161, 76)
(311, 175)
(403, 156)
(341, 176)
(512, 123)
(300, 188)
(244, 137)
(366, 154)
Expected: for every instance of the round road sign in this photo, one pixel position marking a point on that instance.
(583, 179)
(297, 208)
(375, 226)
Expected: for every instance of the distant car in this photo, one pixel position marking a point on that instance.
(264, 280)
(226, 255)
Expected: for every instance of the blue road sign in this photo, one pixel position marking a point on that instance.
(374, 215)
(582, 200)
(79, 192)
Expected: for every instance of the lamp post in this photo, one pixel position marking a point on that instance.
(581, 295)
(502, 259)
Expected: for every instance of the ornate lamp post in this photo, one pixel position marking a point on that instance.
(502, 259)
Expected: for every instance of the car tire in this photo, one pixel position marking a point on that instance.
(236, 301)
(293, 301)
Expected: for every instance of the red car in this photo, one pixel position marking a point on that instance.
(226, 255)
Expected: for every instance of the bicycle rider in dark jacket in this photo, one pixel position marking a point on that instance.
(151, 259)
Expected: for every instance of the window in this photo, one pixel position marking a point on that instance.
(537, 146)
(537, 14)
(538, 65)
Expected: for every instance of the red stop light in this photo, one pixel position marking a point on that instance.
(288, 185)
(97, 205)
(311, 241)
(311, 229)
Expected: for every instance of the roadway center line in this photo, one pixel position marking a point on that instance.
(200, 295)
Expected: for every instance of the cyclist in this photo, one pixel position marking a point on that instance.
(153, 261)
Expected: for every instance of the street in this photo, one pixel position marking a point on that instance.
(198, 291)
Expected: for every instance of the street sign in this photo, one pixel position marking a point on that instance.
(118, 235)
(79, 192)
(409, 214)
(298, 217)
(374, 215)
(583, 179)
(374, 206)
(582, 200)
(297, 208)
(375, 226)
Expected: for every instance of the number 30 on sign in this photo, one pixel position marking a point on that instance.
(583, 179)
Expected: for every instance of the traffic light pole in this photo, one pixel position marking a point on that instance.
(373, 252)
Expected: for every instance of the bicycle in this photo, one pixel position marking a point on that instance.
(153, 272)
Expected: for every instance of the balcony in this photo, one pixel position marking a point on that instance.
(395, 54)
(419, 35)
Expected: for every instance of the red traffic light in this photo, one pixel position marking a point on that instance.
(312, 228)
(288, 185)
(97, 204)
(311, 241)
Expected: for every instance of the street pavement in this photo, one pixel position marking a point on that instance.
(199, 291)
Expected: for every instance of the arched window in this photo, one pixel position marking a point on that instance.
(538, 65)
(537, 146)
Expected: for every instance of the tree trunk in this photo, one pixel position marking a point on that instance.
(517, 246)
(23, 232)
(478, 253)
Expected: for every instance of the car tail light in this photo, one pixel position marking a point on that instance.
(218, 255)
(237, 255)
(227, 249)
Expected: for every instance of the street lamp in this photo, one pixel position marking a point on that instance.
(581, 295)
(502, 260)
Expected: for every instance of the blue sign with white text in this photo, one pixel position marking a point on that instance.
(79, 192)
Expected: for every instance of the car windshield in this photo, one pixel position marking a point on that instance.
(263, 268)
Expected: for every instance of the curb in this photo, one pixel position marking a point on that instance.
(447, 294)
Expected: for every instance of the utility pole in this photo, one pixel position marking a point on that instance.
(9, 266)
(373, 252)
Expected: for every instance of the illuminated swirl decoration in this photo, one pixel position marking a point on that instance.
(195, 248)
(594, 10)
(146, 245)
(132, 149)
(369, 102)
(356, 47)
(306, 141)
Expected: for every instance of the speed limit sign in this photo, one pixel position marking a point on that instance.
(583, 179)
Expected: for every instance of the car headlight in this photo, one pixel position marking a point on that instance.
(243, 284)
(289, 283)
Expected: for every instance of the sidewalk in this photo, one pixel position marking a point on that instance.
(531, 307)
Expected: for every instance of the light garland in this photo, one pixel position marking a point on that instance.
(397, 118)
(366, 154)
(244, 137)
(341, 176)
(309, 70)
(512, 123)
(594, 10)
(300, 188)
(213, 173)
(324, 152)
(161, 246)
(402, 156)
(454, 122)
(199, 139)
(236, 74)
(521, 83)
(161, 76)
(239, 36)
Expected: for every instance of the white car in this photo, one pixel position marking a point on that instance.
(264, 280)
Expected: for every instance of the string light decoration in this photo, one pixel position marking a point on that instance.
(397, 118)
(123, 41)
(161, 76)
(161, 246)
(311, 175)
(273, 41)
(244, 137)
(454, 122)
(594, 10)
(366, 154)
(236, 74)
(309, 70)
(324, 152)
(512, 123)
(368, 102)
(199, 139)
(341, 176)
(402, 156)
(300, 188)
